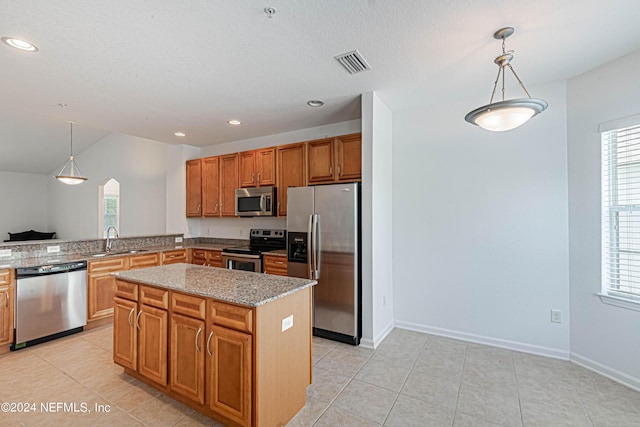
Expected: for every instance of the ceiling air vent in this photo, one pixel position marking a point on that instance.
(353, 62)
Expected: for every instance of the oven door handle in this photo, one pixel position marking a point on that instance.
(229, 255)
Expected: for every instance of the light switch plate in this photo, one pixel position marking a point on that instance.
(178, 239)
(287, 323)
(53, 249)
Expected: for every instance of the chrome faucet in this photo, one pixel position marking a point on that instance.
(109, 241)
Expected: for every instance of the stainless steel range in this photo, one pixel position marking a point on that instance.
(249, 257)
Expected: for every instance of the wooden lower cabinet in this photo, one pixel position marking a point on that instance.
(173, 257)
(101, 286)
(125, 334)
(208, 257)
(152, 343)
(186, 375)
(275, 264)
(217, 363)
(229, 373)
(6, 309)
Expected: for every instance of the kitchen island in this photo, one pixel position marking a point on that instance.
(233, 345)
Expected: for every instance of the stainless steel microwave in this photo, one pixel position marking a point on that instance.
(259, 201)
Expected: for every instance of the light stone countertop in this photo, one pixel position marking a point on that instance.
(239, 287)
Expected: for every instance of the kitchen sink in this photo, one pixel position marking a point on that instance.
(133, 251)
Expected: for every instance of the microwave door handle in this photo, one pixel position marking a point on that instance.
(317, 247)
(310, 248)
(262, 202)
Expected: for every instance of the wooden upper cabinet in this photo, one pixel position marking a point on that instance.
(194, 187)
(211, 186)
(257, 167)
(320, 167)
(228, 184)
(247, 167)
(349, 157)
(266, 166)
(291, 172)
(335, 159)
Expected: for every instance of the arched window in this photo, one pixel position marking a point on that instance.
(109, 207)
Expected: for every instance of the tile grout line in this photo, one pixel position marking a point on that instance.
(455, 411)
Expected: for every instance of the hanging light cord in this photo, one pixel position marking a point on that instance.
(71, 139)
(504, 60)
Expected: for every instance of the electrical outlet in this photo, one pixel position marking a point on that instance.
(53, 249)
(287, 323)
(556, 316)
(178, 239)
(5, 252)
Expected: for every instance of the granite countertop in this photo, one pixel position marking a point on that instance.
(277, 252)
(239, 287)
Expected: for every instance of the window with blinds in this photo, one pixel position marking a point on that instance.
(621, 213)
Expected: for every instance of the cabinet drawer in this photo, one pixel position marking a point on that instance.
(171, 257)
(188, 305)
(231, 316)
(108, 265)
(142, 261)
(275, 265)
(5, 277)
(214, 258)
(154, 297)
(198, 256)
(126, 290)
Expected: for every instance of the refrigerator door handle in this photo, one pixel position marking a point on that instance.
(317, 246)
(310, 248)
(314, 247)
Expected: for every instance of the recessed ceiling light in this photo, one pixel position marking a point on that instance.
(20, 44)
(315, 103)
(234, 122)
(180, 134)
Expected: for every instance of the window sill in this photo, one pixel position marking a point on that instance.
(619, 302)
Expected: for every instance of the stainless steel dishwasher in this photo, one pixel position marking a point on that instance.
(51, 301)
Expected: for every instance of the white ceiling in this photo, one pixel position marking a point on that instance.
(152, 67)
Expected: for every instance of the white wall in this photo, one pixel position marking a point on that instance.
(308, 134)
(24, 204)
(138, 164)
(377, 206)
(480, 234)
(602, 336)
(177, 222)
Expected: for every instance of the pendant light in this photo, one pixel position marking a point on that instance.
(70, 174)
(505, 115)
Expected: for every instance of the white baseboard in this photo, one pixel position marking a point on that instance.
(481, 339)
(375, 342)
(606, 371)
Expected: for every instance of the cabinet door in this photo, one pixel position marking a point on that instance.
(152, 343)
(228, 184)
(100, 292)
(211, 186)
(229, 373)
(199, 256)
(291, 167)
(266, 167)
(187, 357)
(6, 314)
(320, 165)
(247, 169)
(349, 157)
(125, 336)
(194, 187)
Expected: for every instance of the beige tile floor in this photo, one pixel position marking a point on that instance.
(411, 379)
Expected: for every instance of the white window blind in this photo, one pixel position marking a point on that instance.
(621, 213)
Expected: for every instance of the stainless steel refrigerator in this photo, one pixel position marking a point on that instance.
(323, 243)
